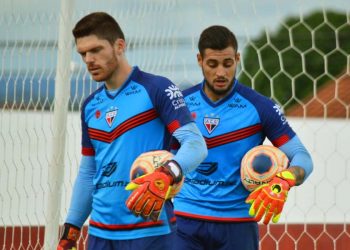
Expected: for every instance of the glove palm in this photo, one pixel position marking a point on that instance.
(269, 199)
(149, 195)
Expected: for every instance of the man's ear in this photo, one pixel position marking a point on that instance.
(199, 59)
(120, 46)
(238, 57)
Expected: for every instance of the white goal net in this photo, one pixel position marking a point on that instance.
(296, 52)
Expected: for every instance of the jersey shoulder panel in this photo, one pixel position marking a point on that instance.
(253, 96)
(153, 81)
(89, 99)
(167, 99)
(275, 124)
(192, 89)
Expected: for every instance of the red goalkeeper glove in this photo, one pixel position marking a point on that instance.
(269, 199)
(151, 190)
(69, 237)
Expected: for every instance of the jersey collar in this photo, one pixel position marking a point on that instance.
(135, 71)
(219, 102)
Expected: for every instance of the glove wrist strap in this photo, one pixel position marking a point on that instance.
(288, 176)
(70, 232)
(173, 169)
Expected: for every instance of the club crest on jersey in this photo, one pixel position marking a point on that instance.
(211, 123)
(110, 115)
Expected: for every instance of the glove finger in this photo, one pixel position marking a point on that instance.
(138, 181)
(133, 199)
(275, 208)
(253, 195)
(260, 205)
(258, 202)
(148, 207)
(141, 203)
(159, 205)
(268, 207)
(260, 212)
(268, 215)
(66, 245)
(154, 216)
(157, 210)
(254, 207)
(278, 210)
(276, 218)
(144, 217)
(131, 186)
(279, 207)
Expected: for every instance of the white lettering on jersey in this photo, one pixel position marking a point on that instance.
(280, 113)
(176, 96)
(173, 92)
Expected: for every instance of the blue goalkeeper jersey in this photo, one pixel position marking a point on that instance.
(115, 130)
(231, 126)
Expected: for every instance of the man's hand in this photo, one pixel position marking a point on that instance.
(269, 199)
(151, 190)
(69, 237)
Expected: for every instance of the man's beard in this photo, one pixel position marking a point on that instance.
(219, 92)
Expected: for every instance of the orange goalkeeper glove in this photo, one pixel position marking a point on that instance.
(151, 190)
(69, 237)
(269, 199)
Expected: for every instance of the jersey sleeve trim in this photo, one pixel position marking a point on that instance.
(88, 151)
(173, 126)
(281, 140)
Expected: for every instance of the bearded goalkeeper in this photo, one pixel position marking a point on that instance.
(211, 207)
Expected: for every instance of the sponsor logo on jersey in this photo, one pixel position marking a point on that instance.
(192, 102)
(134, 89)
(98, 100)
(211, 123)
(110, 115)
(176, 97)
(109, 169)
(173, 92)
(208, 182)
(278, 110)
(207, 168)
(237, 104)
(109, 184)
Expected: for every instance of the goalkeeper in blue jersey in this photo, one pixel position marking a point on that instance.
(213, 209)
(131, 113)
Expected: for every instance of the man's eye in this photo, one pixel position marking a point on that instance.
(96, 50)
(212, 64)
(227, 65)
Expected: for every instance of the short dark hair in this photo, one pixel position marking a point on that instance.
(218, 38)
(101, 24)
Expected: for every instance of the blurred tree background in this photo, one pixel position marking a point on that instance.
(299, 57)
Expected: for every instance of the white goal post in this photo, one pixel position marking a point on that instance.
(297, 53)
